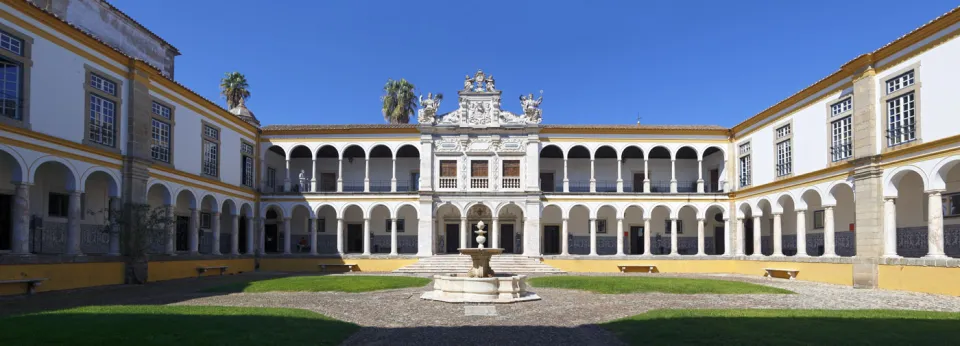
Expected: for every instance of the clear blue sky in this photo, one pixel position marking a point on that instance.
(598, 62)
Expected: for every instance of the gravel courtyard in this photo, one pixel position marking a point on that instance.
(400, 317)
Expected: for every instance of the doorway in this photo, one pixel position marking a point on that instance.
(6, 221)
(242, 235)
(718, 236)
(453, 237)
(636, 240)
(328, 182)
(183, 233)
(271, 243)
(638, 179)
(506, 238)
(551, 240)
(714, 180)
(748, 237)
(354, 238)
(547, 184)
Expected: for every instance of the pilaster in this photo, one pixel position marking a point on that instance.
(867, 174)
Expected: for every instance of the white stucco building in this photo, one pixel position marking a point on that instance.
(856, 168)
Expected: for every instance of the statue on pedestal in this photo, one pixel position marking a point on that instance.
(429, 106)
(531, 107)
(303, 181)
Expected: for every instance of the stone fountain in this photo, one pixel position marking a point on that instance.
(480, 284)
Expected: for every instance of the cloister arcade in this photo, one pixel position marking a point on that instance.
(370, 167)
(921, 209)
(632, 168)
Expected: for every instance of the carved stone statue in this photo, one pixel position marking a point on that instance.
(467, 83)
(531, 107)
(428, 111)
(303, 181)
(490, 86)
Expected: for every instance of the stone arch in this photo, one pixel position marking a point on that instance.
(743, 209)
(396, 210)
(343, 212)
(567, 211)
(661, 152)
(627, 208)
(764, 203)
(723, 211)
(211, 201)
(581, 152)
(607, 150)
(707, 151)
(113, 182)
(684, 148)
(832, 189)
(327, 150)
(20, 170)
(296, 147)
(595, 211)
(552, 150)
(192, 201)
(277, 149)
(938, 176)
(281, 213)
(895, 175)
(802, 203)
(167, 192)
(229, 207)
(369, 211)
(675, 213)
(500, 207)
(381, 150)
(304, 206)
(246, 210)
(72, 179)
(782, 199)
(353, 151)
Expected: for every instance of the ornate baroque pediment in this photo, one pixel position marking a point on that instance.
(479, 107)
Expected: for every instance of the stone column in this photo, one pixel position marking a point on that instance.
(366, 236)
(262, 225)
(673, 176)
(619, 175)
(73, 225)
(393, 180)
(890, 227)
(646, 176)
(646, 236)
(494, 232)
(934, 225)
(700, 239)
(426, 234)
(171, 248)
(286, 236)
(115, 215)
(700, 176)
(393, 237)
(464, 233)
(312, 223)
(564, 241)
(801, 233)
(366, 174)
(673, 238)
(829, 237)
(340, 236)
(194, 232)
(215, 233)
(250, 242)
(777, 235)
(593, 178)
(619, 236)
(566, 182)
(728, 228)
(741, 244)
(340, 175)
(313, 175)
(286, 179)
(21, 220)
(757, 237)
(593, 236)
(235, 235)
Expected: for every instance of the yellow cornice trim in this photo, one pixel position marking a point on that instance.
(231, 189)
(59, 141)
(799, 107)
(204, 114)
(633, 140)
(919, 147)
(635, 199)
(794, 181)
(54, 151)
(252, 197)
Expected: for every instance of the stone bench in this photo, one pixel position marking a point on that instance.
(31, 283)
(643, 268)
(349, 266)
(201, 270)
(781, 273)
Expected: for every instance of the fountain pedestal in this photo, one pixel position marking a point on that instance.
(480, 284)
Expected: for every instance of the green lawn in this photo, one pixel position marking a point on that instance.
(325, 284)
(174, 325)
(788, 327)
(641, 284)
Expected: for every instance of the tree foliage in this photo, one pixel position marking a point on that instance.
(399, 101)
(139, 227)
(234, 88)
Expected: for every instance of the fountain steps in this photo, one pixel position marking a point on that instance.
(450, 264)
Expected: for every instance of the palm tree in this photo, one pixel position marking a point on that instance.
(399, 103)
(234, 88)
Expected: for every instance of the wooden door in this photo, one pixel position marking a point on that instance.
(6, 221)
(328, 182)
(355, 237)
(551, 240)
(718, 235)
(636, 240)
(638, 182)
(453, 237)
(506, 238)
(714, 180)
(183, 233)
(547, 183)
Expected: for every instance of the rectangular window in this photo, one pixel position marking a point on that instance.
(102, 121)
(818, 219)
(951, 205)
(161, 110)
(601, 226)
(841, 139)
(511, 168)
(160, 146)
(783, 131)
(211, 150)
(900, 82)
(784, 150)
(448, 168)
(206, 220)
(478, 168)
(400, 225)
(679, 226)
(321, 225)
(901, 120)
(11, 43)
(745, 164)
(246, 153)
(11, 81)
(58, 205)
(745, 148)
(103, 84)
(841, 107)
(271, 177)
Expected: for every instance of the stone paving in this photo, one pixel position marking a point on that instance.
(400, 317)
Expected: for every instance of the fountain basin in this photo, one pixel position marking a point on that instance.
(465, 289)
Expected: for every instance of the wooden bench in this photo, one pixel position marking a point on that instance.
(643, 268)
(349, 266)
(201, 270)
(788, 273)
(31, 283)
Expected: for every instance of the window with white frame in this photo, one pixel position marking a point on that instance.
(745, 167)
(271, 177)
(11, 43)
(841, 107)
(784, 146)
(840, 125)
(246, 155)
(211, 151)
(901, 105)
(15, 66)
(103, 111)
(160, 133)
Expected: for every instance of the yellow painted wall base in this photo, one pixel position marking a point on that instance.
(61, 276)
(169, 270)
(311, 264)
(834, 273)
(938, 280)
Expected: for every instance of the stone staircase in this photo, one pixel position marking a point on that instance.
(501, 264)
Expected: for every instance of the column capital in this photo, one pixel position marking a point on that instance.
(800, 210)
(701, 219)
(286, 219)
(494, 218)
(620, 219)
(312, 218)
(825, 207)
(565, 219)
(934, 192)
(757, 217)
(235, 216)
(23, 184)
(366, 219)
(889, 198)
(215, 213)
(777, 213)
